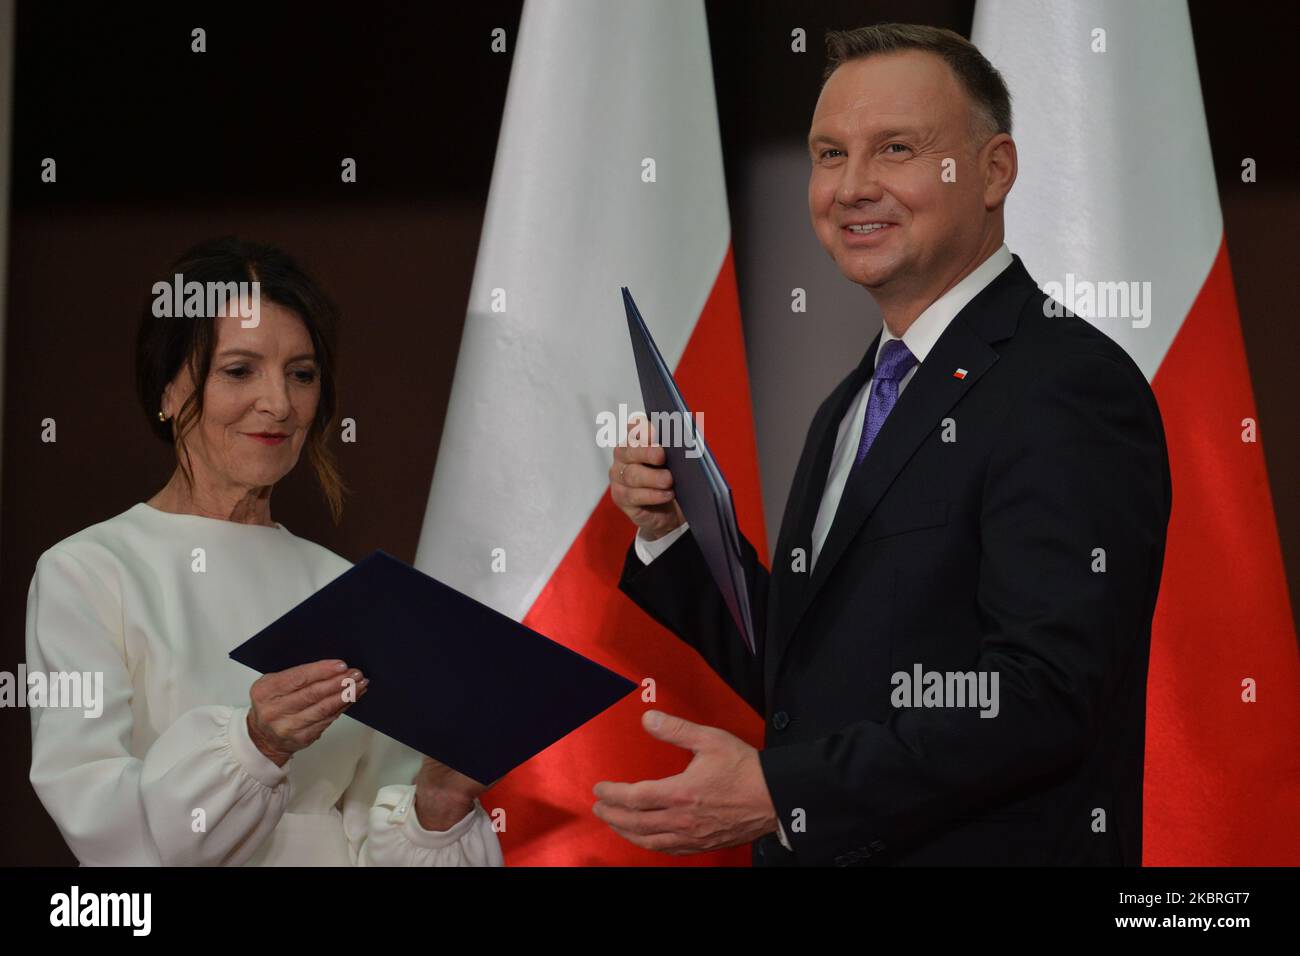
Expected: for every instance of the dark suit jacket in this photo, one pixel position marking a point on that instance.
(973, 554)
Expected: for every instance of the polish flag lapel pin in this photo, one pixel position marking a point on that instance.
(959, 374)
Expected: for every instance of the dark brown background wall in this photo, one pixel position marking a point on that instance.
(158, 148)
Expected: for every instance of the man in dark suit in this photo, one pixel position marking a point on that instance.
(953, 640)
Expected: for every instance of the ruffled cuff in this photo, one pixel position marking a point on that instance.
(396, 838)
(206, 760)
(245, 753)
(399, 801)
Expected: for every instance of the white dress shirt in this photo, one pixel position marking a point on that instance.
(167, 774)
(919, 339)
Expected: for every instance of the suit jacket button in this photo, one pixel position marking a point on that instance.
(780, 720)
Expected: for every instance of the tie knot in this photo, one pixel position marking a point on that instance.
(895, 361)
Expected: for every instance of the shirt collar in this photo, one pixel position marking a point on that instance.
(929, 325)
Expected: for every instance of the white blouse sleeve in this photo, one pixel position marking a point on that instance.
(201, 795)
(380, 822)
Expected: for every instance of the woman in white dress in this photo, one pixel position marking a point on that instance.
(194, 759)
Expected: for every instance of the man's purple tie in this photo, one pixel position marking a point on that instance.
(895, 361)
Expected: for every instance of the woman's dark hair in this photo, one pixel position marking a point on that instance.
(165, 344)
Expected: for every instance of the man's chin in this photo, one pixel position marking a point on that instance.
(871, 275)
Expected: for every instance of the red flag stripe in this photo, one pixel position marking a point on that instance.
(548, 800)
(1222, 776)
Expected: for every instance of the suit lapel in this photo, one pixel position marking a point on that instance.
(805, 497)
(932, 392)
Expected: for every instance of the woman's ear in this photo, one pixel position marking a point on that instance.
(169, 404)
(176, 392)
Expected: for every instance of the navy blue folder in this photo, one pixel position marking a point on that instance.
(449, 677)
(698, 485)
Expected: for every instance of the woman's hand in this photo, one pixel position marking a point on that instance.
(291, 708)
(443, 796)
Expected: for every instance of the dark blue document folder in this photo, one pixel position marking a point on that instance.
(449, 677)
(700, 490)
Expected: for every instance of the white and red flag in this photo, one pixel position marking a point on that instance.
(608, 173)
(1117, 186)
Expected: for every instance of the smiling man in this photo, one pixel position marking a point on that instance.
(981, 503)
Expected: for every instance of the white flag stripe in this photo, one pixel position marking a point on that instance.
(596, 89)
(1114, 151)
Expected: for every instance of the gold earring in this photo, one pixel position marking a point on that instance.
(161, 416)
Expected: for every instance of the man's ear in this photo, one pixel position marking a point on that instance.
(1000, 166)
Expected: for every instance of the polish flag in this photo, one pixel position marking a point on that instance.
(608, 173)
(1116, 184)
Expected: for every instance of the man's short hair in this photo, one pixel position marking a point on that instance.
(981, 80)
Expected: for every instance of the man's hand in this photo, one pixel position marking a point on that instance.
(641, 484)
(719, 800)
